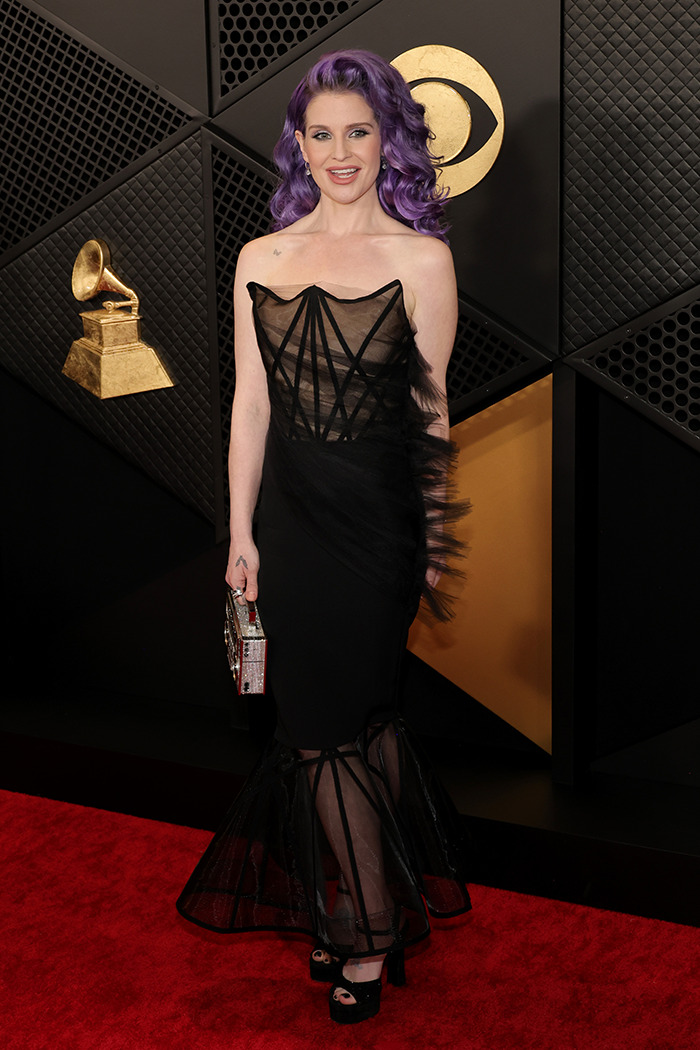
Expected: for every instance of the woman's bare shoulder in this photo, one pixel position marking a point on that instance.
(425, 252)
(261, 258)
(426, 268)
(418, 250)
(259, 248)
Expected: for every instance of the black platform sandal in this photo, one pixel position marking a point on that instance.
(331, 967)
(367, 994)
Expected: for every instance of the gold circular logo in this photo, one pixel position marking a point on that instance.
(431, 72)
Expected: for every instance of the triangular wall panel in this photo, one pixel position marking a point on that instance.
(653, 365)
(72, 121)
(631, 233)
(154, 227)
(165, 41)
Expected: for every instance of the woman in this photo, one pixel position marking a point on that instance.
(345, 319)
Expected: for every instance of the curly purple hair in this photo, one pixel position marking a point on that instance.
(407, 187)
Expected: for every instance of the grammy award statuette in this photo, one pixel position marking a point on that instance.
(110, 360)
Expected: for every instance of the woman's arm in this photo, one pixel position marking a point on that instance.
(434, 312)
(434, 317)
(249, 422)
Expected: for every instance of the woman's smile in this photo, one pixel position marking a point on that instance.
(341, 175)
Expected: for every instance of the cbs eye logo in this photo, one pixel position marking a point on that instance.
(463, 109)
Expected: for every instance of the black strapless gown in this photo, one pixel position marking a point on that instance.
(341, 831)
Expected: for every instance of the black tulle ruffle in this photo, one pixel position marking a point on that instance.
(432, 460)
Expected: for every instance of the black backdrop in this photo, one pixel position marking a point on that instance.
(151, 125)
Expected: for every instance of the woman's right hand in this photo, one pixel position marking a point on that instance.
(242, 570)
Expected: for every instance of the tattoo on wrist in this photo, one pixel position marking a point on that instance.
(242, 561)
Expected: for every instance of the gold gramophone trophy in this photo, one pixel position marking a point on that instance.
(110, 360)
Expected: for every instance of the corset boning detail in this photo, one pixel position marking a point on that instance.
(337, 368)
(349, 446)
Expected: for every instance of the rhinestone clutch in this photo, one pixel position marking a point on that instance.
(246, 645)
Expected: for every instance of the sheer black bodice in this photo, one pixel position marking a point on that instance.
(338, 368)
(350, 447)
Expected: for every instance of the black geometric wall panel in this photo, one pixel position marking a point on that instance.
(154, 226)
(71, 121)
(486, 360)
(253, 34)
(653, 364)
(631, 134)
(644, 525)
(241, 191)
(165, 41)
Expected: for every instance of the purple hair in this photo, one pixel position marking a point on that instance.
(407, 187)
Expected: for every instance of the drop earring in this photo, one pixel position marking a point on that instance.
(308, 169)
(383, 164)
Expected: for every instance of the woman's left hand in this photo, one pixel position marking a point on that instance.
(242, 569)
(432, 577)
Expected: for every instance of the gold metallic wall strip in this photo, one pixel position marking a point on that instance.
(498, 648)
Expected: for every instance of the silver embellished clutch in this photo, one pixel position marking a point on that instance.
(246, 645)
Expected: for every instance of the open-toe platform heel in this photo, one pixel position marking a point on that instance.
(329, 968)
(367, 994)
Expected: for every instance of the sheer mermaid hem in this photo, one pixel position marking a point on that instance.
(352, 845)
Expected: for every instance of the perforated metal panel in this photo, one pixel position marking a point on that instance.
(251, 35)
(486, 359)
(631, 133)
(654, 363)
(155, 229)
(255, 34)
(71, 120)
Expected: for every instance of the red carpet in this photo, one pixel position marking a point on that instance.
(94, 957)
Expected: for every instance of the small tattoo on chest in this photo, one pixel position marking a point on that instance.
(275, 252)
